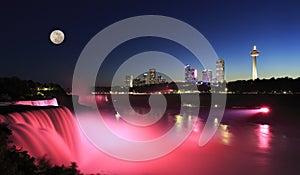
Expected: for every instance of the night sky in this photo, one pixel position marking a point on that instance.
(232, 28)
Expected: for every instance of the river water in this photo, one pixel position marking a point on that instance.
(245, 142)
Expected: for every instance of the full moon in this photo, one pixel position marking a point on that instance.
(57, 36)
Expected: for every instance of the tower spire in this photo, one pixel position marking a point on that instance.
(254, 53)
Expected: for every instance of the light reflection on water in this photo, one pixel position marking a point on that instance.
(246, 146)
(264, 137)
(225, 134)
(238, 147)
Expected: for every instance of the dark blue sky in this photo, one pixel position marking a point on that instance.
(232, 28)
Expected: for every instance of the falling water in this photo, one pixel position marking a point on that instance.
(50, 132)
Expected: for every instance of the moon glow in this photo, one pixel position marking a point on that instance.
(57, 36)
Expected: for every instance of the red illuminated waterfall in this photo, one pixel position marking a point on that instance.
(50, 132)
(44, 102)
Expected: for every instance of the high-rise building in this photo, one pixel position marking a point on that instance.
(137, 82)
(194, 75)
(160, 79)
(207, 75)
(187, 73)
(254, 53)
(145, 78)
(129, 81)
(220, 71)
(190, 74)
(152, 76)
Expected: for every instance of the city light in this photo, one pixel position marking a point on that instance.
(264, 110)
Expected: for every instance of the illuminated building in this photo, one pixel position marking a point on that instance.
(190, 75)
(137, 82)
(220, 71)
(187, 70)
(129, 81)
(152, 76)
(160, 80)
(254, 53)
(194, 74)
(207, 75)
(145, 78)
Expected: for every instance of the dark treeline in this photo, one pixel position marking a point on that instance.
(279, 85)
(162, 87)
(171, 87)
(260, 86)
(151, 88)
(15, 89)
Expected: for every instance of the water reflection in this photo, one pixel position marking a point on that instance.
(186, 121)
(118, 116)
(179, 121)
(264, 137)
(225, 134)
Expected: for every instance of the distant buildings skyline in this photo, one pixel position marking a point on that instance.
(190, 76)
(144, 79)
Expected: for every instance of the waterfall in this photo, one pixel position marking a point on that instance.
(50, 132)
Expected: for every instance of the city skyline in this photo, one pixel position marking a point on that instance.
(190, 76)
(231, 27)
